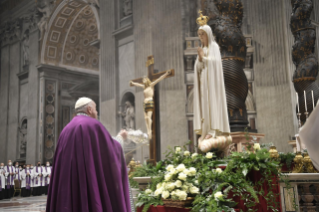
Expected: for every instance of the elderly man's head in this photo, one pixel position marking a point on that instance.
(87, 106)
(9, 162)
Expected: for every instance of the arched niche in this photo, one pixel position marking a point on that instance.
(23, 129)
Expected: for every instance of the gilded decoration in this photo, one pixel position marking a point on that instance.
(70, 35)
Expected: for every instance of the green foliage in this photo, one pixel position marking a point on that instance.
(147, 200)
(287, 158)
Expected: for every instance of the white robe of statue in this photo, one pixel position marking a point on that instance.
(309, 135)
(210, 106)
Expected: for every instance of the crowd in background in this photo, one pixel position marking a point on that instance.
(24, 180)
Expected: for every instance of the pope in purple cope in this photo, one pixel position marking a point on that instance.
(89, 171)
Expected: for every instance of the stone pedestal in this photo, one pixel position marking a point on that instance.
(239, 140)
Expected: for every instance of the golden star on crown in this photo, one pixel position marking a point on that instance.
(202, 20)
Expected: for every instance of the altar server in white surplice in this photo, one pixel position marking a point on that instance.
(10, 176)
(39, 174)
(17, 172)
(26, 180)
(309, 135)
(2, 181)
(48, 170)
(210, 106)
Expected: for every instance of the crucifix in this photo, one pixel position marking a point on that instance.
(148, 83)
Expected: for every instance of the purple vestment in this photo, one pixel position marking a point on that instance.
(89, 171)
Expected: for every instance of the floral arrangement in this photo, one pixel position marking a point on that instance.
(201, 176)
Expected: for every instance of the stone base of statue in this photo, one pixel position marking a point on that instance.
(240, 141)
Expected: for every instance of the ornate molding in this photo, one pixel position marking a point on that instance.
(10, 32)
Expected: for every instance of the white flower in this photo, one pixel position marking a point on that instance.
(182, 195)
(186, 171)
(169, 167)
(209, 155)
(168, 177)
(177, 150)
(185, 188)
(218, 195)
(180, 167)
(182, 176)
(191, 171)
(178, 183)
(165, 194)
(194, 155)
(219, 170)
(173, 171)
(170, 186)
(158, 185)
(148, 191)
(158, 191)
(194, 190)
(256, 146)
(187, 153)
(196, 182)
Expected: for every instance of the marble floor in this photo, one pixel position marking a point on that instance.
(21, 204)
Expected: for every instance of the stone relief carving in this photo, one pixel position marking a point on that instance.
(23, 138)
(46, 11)
(25, 48)
(128, 115)
(10, 31)
(127, 8)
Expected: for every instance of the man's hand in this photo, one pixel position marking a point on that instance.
(123, 133)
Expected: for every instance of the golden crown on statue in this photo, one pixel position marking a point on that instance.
(202, 20)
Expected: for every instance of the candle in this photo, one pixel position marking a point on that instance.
(304, 93)
(297, 101)
(313, 101)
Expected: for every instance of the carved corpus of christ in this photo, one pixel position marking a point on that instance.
(148, 83)
(148, 87)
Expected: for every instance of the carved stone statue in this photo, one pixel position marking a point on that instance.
(127, 9)
(148, 87)
(46, 12)
(23, 139)
(128, 115)
(25, 48)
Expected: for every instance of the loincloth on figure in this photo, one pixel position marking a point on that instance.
(149, 106)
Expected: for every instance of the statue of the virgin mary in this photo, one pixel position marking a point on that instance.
(210, 106)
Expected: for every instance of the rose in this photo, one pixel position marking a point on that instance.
(159, 185)
(158, 191)
(209, 155)
(173, 171)
(168, 177)
(194, 155)
(148, 191)
(182, 195)
(178, 183)
(165, 194)
(187, 153)
(177, 150)
(169, 167)
(186, 171)
(194, 190)
(218, 195)
(170, 186)
(182, 176)
(191, 171)
(256, 146)
(219, 170)
(185, 188)
(180, 167)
